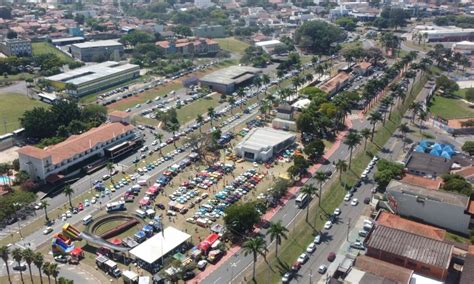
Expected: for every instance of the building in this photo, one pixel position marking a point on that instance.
(442, 209)
(393, 221)
(209, 31)
(446, 34)
(369, 270)
(229, 79)
(425, 256)
(97, 51)
(261, 144)
(189, 47)
(149, 253)
(93, 78)
(363, 68)
(427, 165)
(203, 4)
(268, 45)
(120, 116)
(16, 47)
(74, 153)
(336, 83)
(467, 274)
(284, 118)
(67, 40)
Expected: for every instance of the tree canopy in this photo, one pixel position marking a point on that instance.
(240, 218)
(447, 85)
(135, 37)
(318, 37)
(457, 183)
(386, 171)
(468, 147)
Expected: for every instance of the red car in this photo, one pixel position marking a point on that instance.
(331, 257)
(296, 266)
(80, 206)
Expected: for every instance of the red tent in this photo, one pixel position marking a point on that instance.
(116, 241)
(77, 252)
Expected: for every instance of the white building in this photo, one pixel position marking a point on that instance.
(465, 48)
(436, 207)
(97, 51)
(203, 4)
(268, 45)
(442, 34)
(93, 78)
(16, 47)
(261, 144)
(62, 158)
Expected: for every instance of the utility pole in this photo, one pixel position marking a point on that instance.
(348, 228)
(310, 276)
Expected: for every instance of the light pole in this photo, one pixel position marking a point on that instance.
(232, 265)
(17, 206)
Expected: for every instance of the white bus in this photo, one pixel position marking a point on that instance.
(302, 199)
(87, 219)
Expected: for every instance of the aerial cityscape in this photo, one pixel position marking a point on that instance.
(237, 141)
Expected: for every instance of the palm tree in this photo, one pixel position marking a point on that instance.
(38, 261)
(280, 75)
(231, 104)
(404, 129)
(309, 77)
(255, 246)
(159, 137)
(18, 257)
(341, 166)
(257, 81)
(352, 140)
(47, 270)
(373, 118)
(366, 133)
(54, 270)
(296, 82)
(68, 191)
(199, 119)
(265, 81)
(241, 95)
(309, 190)
(28, 256)
(422, 116)
(44, 206)
(211, 113)
(4, 254)
(277, 232)
(110, 167)
(321, 178)
(415, 107)
(173, 128)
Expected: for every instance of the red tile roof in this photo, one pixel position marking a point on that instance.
(384, 269)
(121, 114)
(423, 182)
(470, 209)
(77, 144)
(334, 82)
(397, 222)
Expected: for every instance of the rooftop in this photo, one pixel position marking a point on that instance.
(268, 42)
(422, 181)
(98, 43)
(76, 144)
(424, 162)
(159, 245)
(232, 74)
(264, 138)
(397, 222)
(94, 72)
(118, 113)
(334, 82)
(421, 192)
(411, 246)
(467, 274)
(383, 269)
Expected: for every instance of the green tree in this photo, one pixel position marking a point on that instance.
(137, 36)
(28, 256)
(299, 167)
(352, 140)
(38, 261)
(386, 171)
(318, 36)
(18, 257)
(240, 218)
(255, 246)
(277, 232)
(54, 269)
(447, 85)
(211, 113)
(373, 118)
(468, 147)
(457, 183)
(47, 270)
(320, 177)
(68, 191)
(44, 206)
(309, 190)
(4, 254)
(365, 133)
(469, 95)
(314, 149)
(199, 120)
(341, 166)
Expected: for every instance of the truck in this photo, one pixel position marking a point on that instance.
(108, 266)
(115, 206)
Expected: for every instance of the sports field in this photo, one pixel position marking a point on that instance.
(12, 107)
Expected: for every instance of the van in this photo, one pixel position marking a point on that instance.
(87, 220)
(140, 213)
(150, 213)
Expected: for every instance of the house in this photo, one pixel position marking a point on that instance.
(284, 118)
(189, 47)
(16, 47)
(336, 83)
(428, 165)
(369, 270)
(362, 68)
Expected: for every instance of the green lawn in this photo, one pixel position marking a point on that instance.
(16, 77)
(462, 92)
(232, 44)
(190, 111)
(46, 48)
(450, 108)
(12, 107)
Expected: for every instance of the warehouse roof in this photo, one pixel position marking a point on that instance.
(429, 163)
(264, 138)
(397, 222)
(232, 74)
(159, 245)
(98, 43)
(94, 72)
(411, 246)
(424, 193)
(391, 272)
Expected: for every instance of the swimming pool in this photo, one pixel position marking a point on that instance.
(5, 180)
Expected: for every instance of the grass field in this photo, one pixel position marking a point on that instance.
(462, 92)
(450, 108)
(16, 77)
(232, 44)
(12, 107)
(190, 111)
(46, 48)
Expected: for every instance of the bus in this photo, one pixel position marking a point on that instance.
(302, 199)
(87, 220)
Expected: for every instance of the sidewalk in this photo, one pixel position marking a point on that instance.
(292, 191)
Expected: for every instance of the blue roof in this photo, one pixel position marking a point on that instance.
(437, 146)
(435, 152)
(424, 143)
(445, 155)
(420, 149)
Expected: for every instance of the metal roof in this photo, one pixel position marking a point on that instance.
(232, 74)
(264, 138)
(99, 43)
(411, 246)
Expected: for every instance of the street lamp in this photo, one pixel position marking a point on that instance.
(17, 206)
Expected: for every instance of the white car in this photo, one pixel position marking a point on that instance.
(337, 212)
(302, 258)
(286, 277)
(328, 225)
(322, 269)
(347, 197)
(68, 214)
(311, 248)
(317, 239)
(47, 230)
(202, 264)
(354, 202)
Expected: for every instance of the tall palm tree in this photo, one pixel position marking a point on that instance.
(159, 137)
(341, 166)
(352, 140)
(277, 232)
(5, 255)
(265, 81)
(365, 133)
(199, 119)
(309, 190)
(241, 95)
(54, 270)
(308, 77)
(257, 81)
(255, 246)
(47, 270)
(28, 256)
(38, 261)
(321, 178)
(231, 101)
(374, 117)
(110, 167)
(296, 81)
(173, 128)
(18, 257)
(422, 116)
(415, 107)
(404, 129)
(68, 191)
(44, 206)
(211, 113)
(280, 75)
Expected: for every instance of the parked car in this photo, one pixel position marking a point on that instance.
(47, 230)
(303, 258)
(287, 277)
(322, 269)
(331, 256)
(354, 202)
(317, 239)
(311, 248)
(328, 225)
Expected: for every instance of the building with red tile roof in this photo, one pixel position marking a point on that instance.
(422, 181)
(336, 83)
(189, 46)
